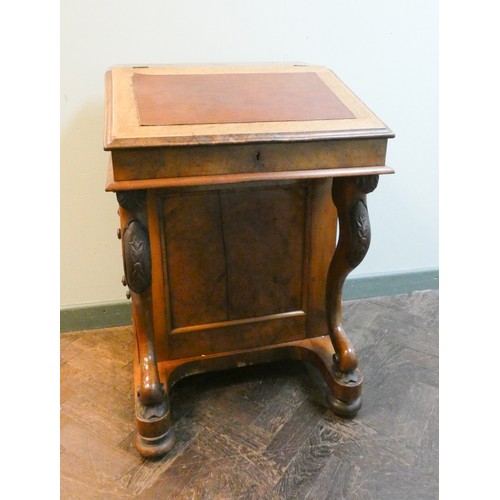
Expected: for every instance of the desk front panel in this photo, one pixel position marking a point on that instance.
(239, 266)
(198, 161)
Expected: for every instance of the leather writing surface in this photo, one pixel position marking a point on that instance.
(234, 98)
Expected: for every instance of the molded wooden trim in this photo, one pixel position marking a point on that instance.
(112, 185)
(123, 129)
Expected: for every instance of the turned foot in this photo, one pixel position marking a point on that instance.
(345, 398)
(345, 410)
(154, 437)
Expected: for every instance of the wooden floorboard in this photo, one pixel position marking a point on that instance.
(263, 432)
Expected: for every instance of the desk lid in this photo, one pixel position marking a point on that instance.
(222, 104)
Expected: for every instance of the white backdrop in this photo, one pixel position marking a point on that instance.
(385, 51)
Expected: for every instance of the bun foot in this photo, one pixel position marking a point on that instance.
(155, 436)
(155, 447)
(345, 409)
(345, 398)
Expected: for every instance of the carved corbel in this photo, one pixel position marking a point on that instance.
(155, 435)
(349, 197)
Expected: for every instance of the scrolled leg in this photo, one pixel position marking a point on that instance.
(349, 196)
(154, 434)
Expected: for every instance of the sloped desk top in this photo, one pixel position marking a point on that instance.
(222, 104)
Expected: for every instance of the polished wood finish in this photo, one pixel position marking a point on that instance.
(211, 180)
(238, 264)
(123, 128)
(228, 243)
(173, 162)
(152, 408)
(316, 351)
(263, 431)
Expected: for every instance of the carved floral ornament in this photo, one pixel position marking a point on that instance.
(360, 233)
(137, 256)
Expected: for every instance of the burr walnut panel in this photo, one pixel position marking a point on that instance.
(264, 277)
(196, 267)
(220, 265)
(180, 161)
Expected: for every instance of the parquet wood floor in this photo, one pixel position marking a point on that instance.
(263, 432)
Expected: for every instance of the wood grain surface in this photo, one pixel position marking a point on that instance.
(239, 266)
(263, 431)
(177, 162)
(123, 128)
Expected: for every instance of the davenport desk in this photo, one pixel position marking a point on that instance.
(230, 181)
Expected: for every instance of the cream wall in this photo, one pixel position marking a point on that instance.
(386, 51)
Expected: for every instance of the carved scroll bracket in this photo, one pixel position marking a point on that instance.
(154, 433)
(349, 197)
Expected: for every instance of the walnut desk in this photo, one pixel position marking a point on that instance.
(230, 181)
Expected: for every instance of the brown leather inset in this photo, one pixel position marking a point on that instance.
(235, 98)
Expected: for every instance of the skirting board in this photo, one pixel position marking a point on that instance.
(109, 314)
